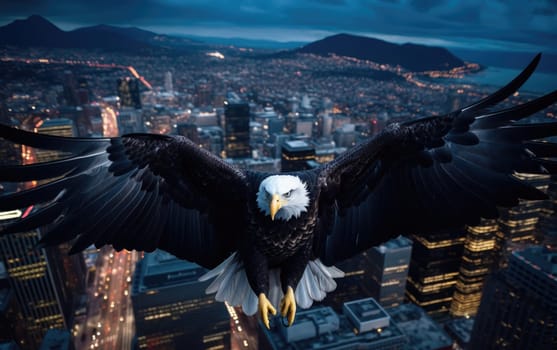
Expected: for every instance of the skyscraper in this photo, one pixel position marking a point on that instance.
(477, 262)
(35, 288)
(519, 305)
(297, 155)
(236, 130)
(389, 270)
(518, 225)
(128, 92)
(168, 86)
(171, 308)
(46, 282)
(434, 268)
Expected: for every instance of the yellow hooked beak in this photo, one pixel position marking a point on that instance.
(275, 205)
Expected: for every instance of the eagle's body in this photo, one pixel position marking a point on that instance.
(270, 236)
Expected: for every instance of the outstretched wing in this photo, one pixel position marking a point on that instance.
(434, 173)
(137, 191)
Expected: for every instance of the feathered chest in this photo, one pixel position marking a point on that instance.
(280, 239)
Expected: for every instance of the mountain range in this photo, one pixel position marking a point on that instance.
(410, 56)
(36, 31)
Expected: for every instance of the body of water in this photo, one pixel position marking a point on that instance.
(540, 83)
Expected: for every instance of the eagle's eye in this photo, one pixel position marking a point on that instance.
(287, 194)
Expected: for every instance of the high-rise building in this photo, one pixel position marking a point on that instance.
(357, 282)
(168, 86)
(204, 95)
(46, 282)
(389, 270)
(36, 289)
(519, 305)
(548, 217)
(171, 308)
(477, 262)
(57, 127)
(518, 225)
(434, 268)
(129, 120)
(70, 89)
(297, 155)
(236, 130)
(128, 92)
(11, 325)
(363, 324)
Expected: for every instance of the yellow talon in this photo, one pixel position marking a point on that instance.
(265, 307)
(288, 305)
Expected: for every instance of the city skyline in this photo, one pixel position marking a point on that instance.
(479, 25)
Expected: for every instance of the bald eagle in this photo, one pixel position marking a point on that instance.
(270, 240)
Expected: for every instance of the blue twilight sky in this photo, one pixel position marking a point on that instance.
(514, 25)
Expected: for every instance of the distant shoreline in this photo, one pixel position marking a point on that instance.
(539, 82)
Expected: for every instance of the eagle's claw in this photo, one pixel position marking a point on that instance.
(265, 307)
(288, 305)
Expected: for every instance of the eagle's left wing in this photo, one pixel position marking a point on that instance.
(434, 173)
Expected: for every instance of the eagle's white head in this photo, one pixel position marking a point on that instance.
(282, 197)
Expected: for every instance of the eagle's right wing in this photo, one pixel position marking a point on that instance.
(138, 191)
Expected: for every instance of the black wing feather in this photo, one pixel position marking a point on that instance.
(436, 173)
(137, 191)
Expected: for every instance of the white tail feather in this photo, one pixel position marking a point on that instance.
(231, 284)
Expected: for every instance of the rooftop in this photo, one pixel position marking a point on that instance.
(321, 328)
(461, 329)
(395, 243)
(160, 269)
(422, 332)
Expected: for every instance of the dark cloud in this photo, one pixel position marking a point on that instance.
(511, 22)
(425, 5)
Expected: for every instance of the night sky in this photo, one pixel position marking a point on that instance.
(514, 25)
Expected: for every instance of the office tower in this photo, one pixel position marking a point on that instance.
(389, 270)
(11, 325)
(420, 330)
(171, 308)
(297, 155)
(46, 282)
(129, 120)
(58, 127)
(548, 217)
(434, 268)
(70, 89)
(305, 125)
(128, 92)
(518, 225)
(36, 289)
(477, 262)
(83, 92)
(345, 136)
(204, 95)
(519, 305)
(168, 86)
(363, 324)
(236, 130)
(357, 282)
(270, 122)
